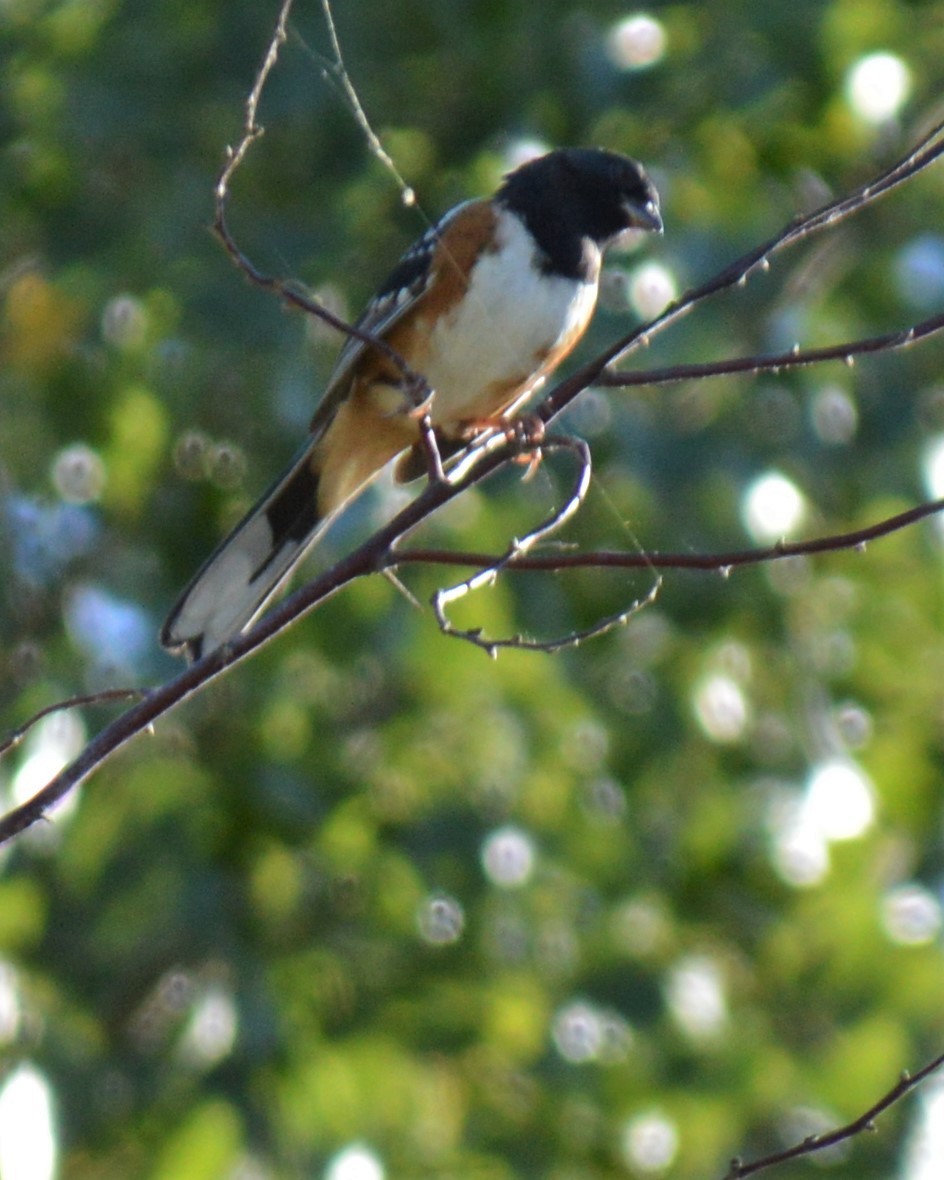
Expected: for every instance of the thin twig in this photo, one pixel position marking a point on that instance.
(795, 358)
(596, 630)
(338, 71)
(251, 128)
(721, 562)
(12, 740)
(813, 1143)
(929, 149)
(520, 546)
(286, 289)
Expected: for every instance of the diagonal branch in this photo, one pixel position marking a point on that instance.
(929, 149)
(376, 554)
(369, 558)
(814, 1143)
(12, 740)
(486, 455)
(795, 358)
(721, 562)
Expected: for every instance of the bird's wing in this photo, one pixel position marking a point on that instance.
(403, 288)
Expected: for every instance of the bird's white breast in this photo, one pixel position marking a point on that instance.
(511, 317)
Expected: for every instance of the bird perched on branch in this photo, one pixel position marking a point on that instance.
(483, 307)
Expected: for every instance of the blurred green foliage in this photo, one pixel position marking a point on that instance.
(630, 910)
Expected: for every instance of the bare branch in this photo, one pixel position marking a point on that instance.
(813, 1143)
(721, 562)
(485, 455)
(377, 554)
(929, 149)
(339, 72)
(520, 546)
(251, 128)
(794, 359)
(515, 557)
(415, 384)
(549, 646)
(12, 740)
(371, 557)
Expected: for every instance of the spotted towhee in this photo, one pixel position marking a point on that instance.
(483, 306)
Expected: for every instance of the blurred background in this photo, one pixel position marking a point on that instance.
(375, 906)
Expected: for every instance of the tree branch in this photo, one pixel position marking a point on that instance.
(794, 359)
(485, 455)
(736, 274)
(814, 1143)
(379, 553)
(721, 562)
(12, 740)
(415, 384)
(371, 557)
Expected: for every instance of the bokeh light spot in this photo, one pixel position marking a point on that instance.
(695, 996)
(799, 852)
(54, 742)
(356, 1162)
(636, 41)
(877, 86)
(124, 322)
(834, 415)
(650, 1142)
(211, 1031)
(78, 474)
(10, 1006)
(112, 632)
(27, 1134)
(508, 857)
(919, 271)
(932, 467)
(801, 856)
(926, 1147)
(773, 507)
(839, 801)
(520, 151)
(911, 915)
(582, 1032)
(652, 288)
(721, 708)
(45, 538)
(440, 920)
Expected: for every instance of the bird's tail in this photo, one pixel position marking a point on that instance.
(346, 452)
(247, 568)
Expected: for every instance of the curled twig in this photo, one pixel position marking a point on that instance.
(547, 646)
(519, 547)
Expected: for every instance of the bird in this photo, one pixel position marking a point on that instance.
(484, 306)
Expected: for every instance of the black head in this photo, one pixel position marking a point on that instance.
(582, 193)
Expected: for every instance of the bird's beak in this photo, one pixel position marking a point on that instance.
(647, 216)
